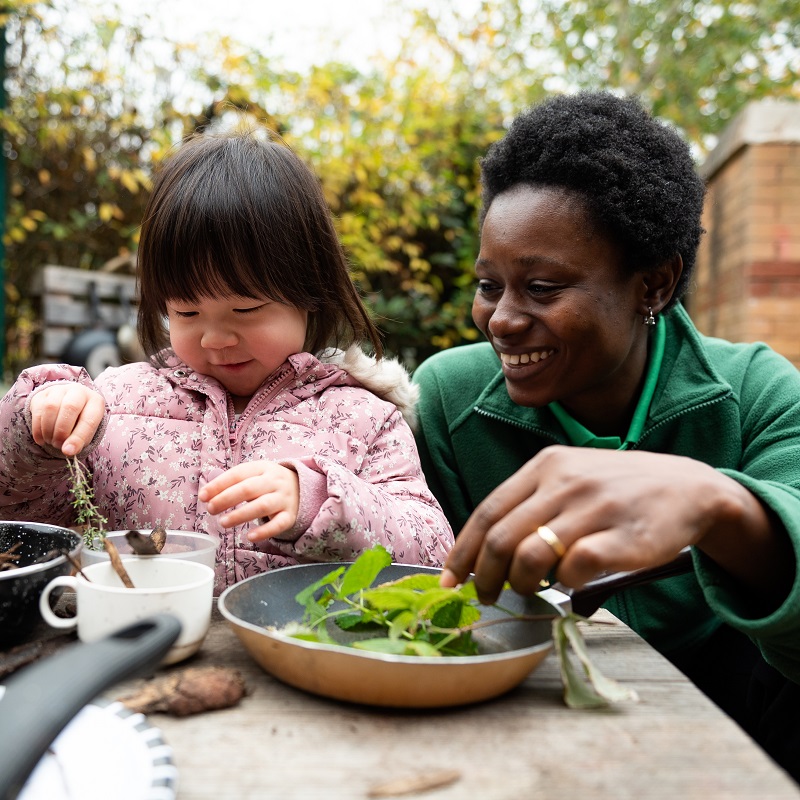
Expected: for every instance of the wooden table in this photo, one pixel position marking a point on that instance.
(281, 743)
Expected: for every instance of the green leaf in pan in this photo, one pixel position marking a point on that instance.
(420, 618)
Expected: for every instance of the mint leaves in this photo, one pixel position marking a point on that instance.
(412, 616)
(415, 616)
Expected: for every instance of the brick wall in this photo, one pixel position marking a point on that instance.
(747, 280)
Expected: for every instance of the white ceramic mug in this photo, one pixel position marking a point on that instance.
(168, 585)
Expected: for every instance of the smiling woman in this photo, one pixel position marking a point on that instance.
(597, 430)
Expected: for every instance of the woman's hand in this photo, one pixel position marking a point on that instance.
(612, 511)
(66, 416)
(269, 491)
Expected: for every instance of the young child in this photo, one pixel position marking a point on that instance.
(258, 418)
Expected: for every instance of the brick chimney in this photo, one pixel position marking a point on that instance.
(747, 280)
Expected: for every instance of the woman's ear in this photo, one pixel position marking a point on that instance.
(660, 283)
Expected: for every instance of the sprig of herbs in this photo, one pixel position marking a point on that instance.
(88, 516)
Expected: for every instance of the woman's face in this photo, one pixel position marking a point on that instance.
(554, 302)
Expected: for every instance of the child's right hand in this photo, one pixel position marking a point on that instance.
(66, 416)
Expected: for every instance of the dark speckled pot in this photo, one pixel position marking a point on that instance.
(20, 588)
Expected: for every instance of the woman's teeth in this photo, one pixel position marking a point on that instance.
(525, 358)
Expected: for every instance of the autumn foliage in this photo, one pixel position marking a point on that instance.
(92, 108)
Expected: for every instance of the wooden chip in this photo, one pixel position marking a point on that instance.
(141, 545)
(116, 563)
(11, 554)
(414, 784)
(150, 545)
(189, 691)
(158, 537)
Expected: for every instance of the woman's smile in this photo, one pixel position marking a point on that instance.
(554, 301)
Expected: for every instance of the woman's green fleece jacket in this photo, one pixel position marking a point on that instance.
(735, 407)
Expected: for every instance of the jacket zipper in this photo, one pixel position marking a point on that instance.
(675, 416)
(276, 386)
(517, 424)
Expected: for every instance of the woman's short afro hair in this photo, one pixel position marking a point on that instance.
(636, 175)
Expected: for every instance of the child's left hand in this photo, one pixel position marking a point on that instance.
(268, 490)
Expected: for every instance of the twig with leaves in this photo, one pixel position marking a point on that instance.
(88, 516)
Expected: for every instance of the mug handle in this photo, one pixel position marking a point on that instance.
(66, 623)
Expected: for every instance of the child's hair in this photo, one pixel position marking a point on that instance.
(238, 215)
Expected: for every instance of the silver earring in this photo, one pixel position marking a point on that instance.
(649, 320)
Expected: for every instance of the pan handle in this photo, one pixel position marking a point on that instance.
(40, 701)
(587, 599)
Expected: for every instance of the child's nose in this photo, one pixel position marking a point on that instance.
(217, 337)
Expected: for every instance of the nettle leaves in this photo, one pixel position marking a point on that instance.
(414, 616)
(410, 616)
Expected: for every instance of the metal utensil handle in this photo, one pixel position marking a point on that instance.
(587, 599)
(39, 701)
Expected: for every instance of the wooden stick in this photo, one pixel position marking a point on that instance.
(116, 562)
(76, 566)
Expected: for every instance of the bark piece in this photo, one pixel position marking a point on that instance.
(158, 537)
(189, 691)
(150, 545)
(9, 557)
(414, 784)
(116, 562)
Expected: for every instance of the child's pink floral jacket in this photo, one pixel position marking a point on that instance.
(168, 431)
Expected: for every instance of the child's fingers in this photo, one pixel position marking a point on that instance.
(83, 429)
(64, 414)
(227, 480)
(265, 504)
(279, 523)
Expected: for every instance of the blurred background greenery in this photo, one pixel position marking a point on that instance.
(90, 109)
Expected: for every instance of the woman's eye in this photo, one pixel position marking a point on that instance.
(487, 287)
(540, 289)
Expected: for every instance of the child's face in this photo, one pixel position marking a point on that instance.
(237, 340)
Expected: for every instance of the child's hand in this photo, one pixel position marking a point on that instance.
(269, 492)
(66, 416)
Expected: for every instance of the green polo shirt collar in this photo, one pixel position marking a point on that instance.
(581, 437)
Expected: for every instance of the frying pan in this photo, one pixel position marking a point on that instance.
(40, 700)
(508, 652)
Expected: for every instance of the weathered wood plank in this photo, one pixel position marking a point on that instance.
(68, 280)
(65, 308)
(281, 742)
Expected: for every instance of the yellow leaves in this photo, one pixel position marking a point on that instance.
(143, 178)
(89, 159)
(27, 223)
(15, 234)
(128, 180)
(420, 265)
(131, 179)
(44, 176)
(109, 211)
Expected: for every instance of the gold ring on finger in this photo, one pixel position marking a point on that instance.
(548, 537)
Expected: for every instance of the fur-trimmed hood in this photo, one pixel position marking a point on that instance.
(385, 377)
